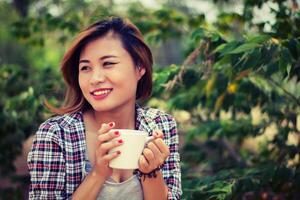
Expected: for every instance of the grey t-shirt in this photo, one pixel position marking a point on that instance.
(130, 189)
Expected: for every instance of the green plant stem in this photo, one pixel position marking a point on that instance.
(291, 96)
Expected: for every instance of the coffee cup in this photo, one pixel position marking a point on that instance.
(134, 141)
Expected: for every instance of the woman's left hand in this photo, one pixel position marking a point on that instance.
(155, 154)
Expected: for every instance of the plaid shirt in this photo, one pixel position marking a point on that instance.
(57, 155)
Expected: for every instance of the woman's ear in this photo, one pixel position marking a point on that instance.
(141, 71)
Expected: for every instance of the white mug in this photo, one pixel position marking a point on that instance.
(133, 145)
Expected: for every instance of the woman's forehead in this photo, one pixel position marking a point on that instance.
(107, 44)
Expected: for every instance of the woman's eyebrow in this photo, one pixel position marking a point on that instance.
(102, 58)
(84, 61)
(108, 56)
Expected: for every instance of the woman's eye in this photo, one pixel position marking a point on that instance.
(108, 64)
(83, 68)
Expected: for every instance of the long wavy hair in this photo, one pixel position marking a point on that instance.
(132, 40)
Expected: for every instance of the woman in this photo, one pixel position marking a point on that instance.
(107, 69)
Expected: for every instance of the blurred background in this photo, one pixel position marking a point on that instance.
(228, 70)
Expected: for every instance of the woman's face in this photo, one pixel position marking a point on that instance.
(108, 76)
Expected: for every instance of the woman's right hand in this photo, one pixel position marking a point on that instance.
(104, 144)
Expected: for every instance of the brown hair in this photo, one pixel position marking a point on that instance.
(132, 41)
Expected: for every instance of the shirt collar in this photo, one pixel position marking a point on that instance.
(143, 121)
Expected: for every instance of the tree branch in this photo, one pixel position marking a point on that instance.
(21, 7)
(188, 61)
(231, 151)
(294, 5)
(297, 101)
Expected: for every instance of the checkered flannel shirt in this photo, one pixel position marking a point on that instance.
(57, 155)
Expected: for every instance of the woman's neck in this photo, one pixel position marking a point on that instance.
(124, 117)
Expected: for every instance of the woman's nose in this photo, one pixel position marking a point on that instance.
(97, 77)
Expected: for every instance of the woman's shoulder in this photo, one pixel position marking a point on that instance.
(154, 118)
(156, 114)
(63, 120)
(60, 122)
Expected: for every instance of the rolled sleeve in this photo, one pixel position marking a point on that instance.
(46, 165)
(171, 170)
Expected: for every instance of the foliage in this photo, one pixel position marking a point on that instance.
(233, 67)
(22, 108)
(234, 76)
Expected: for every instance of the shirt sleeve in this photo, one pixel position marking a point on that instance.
(46, 165)
(171, 170)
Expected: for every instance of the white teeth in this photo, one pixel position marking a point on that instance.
(101, 92)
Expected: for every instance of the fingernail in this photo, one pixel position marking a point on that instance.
(120, 141)
(117, 133)
(111, 124)
(118, 152)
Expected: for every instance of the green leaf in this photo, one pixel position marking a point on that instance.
(226, 48)
(272, 68)
(258, 39)
(293, 46)
(244, 48)
(198, 34)
(220, 48)
(222, 63)
(285, 62)
(248, 61)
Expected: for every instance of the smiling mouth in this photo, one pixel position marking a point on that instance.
(101, 92)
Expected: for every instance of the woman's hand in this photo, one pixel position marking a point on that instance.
(155, 154)
(104, 145)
